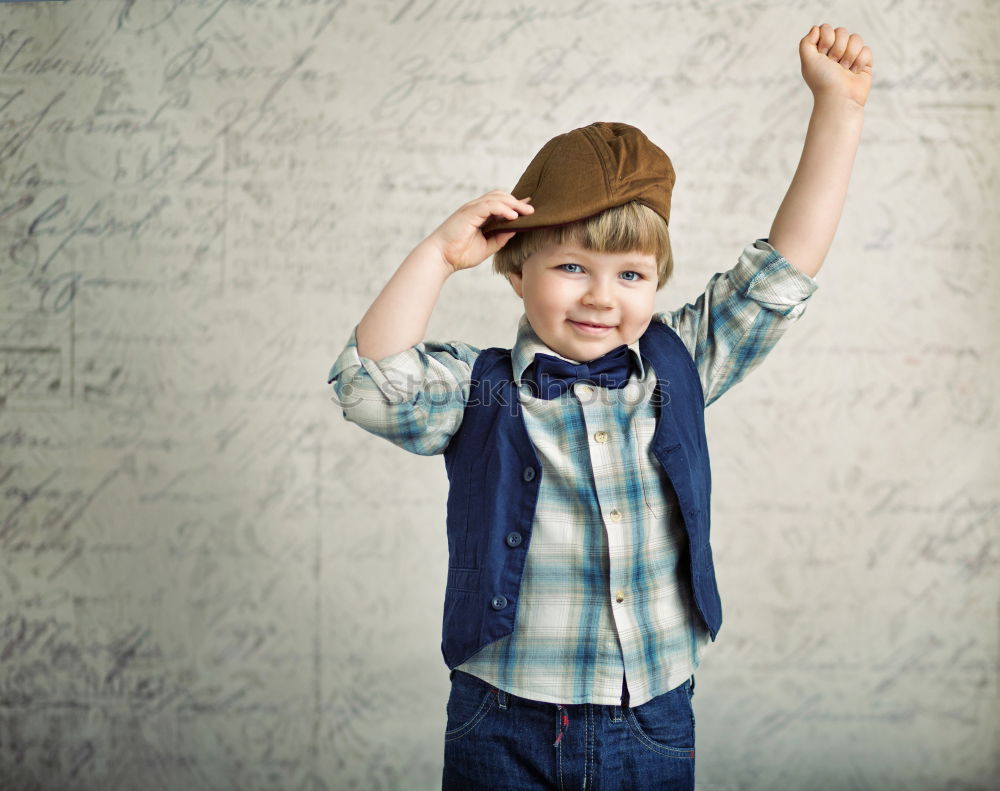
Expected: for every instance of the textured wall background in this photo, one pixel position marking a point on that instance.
(209, 580)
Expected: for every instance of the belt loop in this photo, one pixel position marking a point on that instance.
(502, 698)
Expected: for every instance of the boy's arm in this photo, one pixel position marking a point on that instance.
(742, 313)
(837, 67)
(398, 317)
(414, 398)
(386, 380)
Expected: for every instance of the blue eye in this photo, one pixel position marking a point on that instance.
(638, 275)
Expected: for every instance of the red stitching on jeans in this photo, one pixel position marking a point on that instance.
(563, 727)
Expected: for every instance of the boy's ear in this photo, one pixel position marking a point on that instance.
(517, 282)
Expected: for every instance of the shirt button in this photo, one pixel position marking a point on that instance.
(619, 596)
(601, 436)
(615, 514)
(585, 389)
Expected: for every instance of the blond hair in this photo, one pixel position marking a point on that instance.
(631, 227)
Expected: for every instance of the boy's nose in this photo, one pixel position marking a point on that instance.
(598, 294)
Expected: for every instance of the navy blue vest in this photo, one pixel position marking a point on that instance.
(494, 475)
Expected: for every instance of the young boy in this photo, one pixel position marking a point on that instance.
(581, 587)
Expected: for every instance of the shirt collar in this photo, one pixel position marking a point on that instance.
(528, 344)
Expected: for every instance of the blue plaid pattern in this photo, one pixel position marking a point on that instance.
(599, 598)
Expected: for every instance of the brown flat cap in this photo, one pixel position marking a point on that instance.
(590, 169)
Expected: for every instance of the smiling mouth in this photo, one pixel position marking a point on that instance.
(588, 326)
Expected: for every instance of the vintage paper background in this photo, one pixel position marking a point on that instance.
(210, 580)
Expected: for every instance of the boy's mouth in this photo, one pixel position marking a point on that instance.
(588, 327)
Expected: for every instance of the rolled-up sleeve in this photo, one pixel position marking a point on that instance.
(741, 315)
(415, 398)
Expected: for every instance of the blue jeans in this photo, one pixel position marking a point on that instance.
(495, 741)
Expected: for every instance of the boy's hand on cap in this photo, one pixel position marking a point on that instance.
(459, 238)
(837, 63)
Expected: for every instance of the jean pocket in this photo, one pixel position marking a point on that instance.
(665, 724)
(471, 700)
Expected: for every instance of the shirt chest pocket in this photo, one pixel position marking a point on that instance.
(657, 491)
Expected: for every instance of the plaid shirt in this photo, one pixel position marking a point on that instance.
(598, 599)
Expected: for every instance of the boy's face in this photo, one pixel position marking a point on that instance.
(565, 288)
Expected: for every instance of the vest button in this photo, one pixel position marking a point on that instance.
(529, 473)
(499, 602)
(513, 539)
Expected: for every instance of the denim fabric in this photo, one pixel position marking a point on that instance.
(495, 741)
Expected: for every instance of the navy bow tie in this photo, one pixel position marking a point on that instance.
(552, 376)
